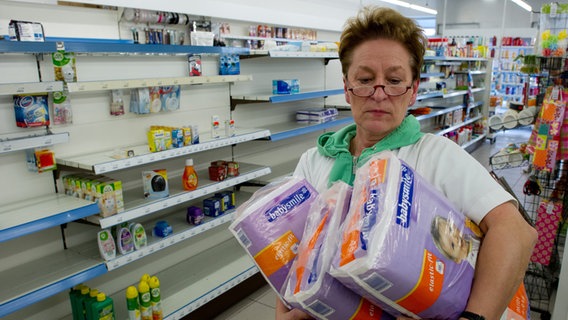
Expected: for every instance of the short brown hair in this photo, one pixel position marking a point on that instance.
(382, 23)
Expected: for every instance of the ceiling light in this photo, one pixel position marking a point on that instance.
(523, 5)
(411, 6)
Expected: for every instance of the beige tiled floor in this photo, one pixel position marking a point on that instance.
(261, 304)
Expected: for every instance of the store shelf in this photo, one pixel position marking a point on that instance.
(31, 142)
(457, 93)
(196, 281)
(473, 72)
(86, 86)
(137, 206)
(97, 47)
(457, 126)
(40, 213)
(292, 129)
(432, 75)
(302, 54)
(104, 162)
(474, 140)
(458, 59)
(438, 111)
(429, 95)
(34, 281)
(281, 98)
(30, 87)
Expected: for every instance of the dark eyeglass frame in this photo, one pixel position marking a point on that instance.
(382, 86)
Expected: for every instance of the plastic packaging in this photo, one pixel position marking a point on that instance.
(145, 300)
(189, 177)
(107, 248)
(139, 235)
(155, 297)
(77, 296)
(132, 303)
(125, 241)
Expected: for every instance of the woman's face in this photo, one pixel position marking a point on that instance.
(379, 62)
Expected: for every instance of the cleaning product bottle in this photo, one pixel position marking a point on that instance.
(74, 298)
(145, 300)
(102, 308)
(93, 293)
(132, 303)
(189, 177)
(81, 301)
(157, 313)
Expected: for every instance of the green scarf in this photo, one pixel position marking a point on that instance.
(336, 145)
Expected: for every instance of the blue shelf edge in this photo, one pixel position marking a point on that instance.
(48, 222)
(309, 129)
(110, 46)
(305, 95)
(52, 289)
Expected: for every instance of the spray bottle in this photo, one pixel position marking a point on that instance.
(157, 313)
(145, 300)
(132, 303)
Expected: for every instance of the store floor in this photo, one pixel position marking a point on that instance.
(261, 303)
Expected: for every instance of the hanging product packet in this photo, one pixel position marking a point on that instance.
(395, 246)
(546, 141)
(309, 283)
(269, 226)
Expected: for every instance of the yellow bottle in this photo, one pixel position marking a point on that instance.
(145, 300)
(189, 177)
(156, 298)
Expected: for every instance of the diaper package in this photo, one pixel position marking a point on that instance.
(403, 245)
(309, 283)
(270, 225)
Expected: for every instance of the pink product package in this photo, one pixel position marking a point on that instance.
(395, 245)
(269, 226)
(309, 284)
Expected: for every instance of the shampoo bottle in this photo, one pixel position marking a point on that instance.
(157, 313)
(145, 300)
(189, 177)
(132, 303)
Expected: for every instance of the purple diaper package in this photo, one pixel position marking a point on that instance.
(309, 283)
(270, 225)
(403, 245)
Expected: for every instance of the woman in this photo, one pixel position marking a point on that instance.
(381, 54)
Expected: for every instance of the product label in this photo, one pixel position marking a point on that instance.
(370, 211)
(366, 311)
(287, 204)
(405, 194)
(429, 285)
(277, 254)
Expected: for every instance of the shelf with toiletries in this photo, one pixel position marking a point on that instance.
(103, 162)
(136, 206)
(286, 130)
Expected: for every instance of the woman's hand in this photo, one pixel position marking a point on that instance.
(283, 313)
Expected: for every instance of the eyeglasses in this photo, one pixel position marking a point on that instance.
(389, 90)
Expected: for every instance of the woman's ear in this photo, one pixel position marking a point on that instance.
(346, 93)
(415, 86)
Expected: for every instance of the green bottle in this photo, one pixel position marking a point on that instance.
(74, 296)
(132, 303)
(81, 301)
(92, 299)
(102, 309)
(157, 313)
(145, 300)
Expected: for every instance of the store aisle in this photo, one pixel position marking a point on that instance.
(260, 304)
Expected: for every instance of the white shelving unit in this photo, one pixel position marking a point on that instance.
(30, 87)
